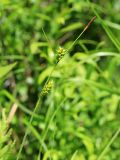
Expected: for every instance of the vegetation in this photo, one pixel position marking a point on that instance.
(59, 81)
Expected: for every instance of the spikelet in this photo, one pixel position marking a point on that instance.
(60, 53)
(47, 88)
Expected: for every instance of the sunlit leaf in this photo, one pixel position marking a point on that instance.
(4, 70)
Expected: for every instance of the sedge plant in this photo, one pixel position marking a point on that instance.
(49, 83)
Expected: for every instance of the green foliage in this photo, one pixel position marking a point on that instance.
(78, 117)
(4, 70)
(6, 144)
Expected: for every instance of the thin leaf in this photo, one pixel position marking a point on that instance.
(4, 70)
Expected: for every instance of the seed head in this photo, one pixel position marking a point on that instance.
(47, 88)
(60, 53)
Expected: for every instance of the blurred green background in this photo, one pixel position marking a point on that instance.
(85, 101)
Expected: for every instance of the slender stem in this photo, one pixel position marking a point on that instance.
(109, 144)
(87, 26)
(74, 155)
(32, 116)
(47, 126)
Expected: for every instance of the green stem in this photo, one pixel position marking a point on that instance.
(109, 144)
(32, 116)
(47, 126)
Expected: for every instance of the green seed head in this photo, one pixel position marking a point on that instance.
(60, 53)
(47, 87)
